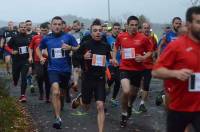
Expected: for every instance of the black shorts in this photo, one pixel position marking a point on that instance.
(93, 87)
(134, 77)
(147, 79)
(62, 78)
(178, 121)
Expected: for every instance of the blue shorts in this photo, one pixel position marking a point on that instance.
(6, 53)
(59, 77)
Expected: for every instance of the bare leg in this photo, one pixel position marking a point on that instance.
(56, 99)
(100, 115)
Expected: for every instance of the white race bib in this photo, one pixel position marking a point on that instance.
(98, 60)
(128, 53)
(57, 53)
(194, 83)
(23, 50)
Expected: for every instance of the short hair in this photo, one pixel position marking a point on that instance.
(191, 11)
(63, 22)
(57, 18)
(47, 23)
(96, 22)
(44, 25)
(21, 24)
(132, 18)
(77, 21)
(116, 24)
(142, 25)
(28, 21)
(176, 18)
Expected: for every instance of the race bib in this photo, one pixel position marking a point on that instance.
(98, 60)
(23, 50)
(128, 53)
(57, 53)
(194, 83)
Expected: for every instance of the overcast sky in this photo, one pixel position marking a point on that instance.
(160, 11)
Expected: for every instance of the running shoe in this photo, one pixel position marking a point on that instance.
(57, 124)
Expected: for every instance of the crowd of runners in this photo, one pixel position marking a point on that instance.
(106, 58)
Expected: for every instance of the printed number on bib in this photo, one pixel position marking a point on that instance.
(57, 53)
(194, 82)
(23, 50)
(98, 60)
(128, 53)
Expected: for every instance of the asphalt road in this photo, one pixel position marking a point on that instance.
(42, 114)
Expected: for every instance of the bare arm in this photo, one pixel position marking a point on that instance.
(2, 42)
(114, 54)
(140, 58)
(39, 53)
(164, 73)
(30, 51)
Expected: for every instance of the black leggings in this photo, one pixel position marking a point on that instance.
(42, 77)
(20, 67)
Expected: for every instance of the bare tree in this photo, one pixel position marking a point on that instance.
(195, 2)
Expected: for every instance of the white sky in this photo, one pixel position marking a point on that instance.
(159, 11)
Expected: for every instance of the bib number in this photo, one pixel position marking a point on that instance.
(98, 60)
(194, 82)
(58, 53)
(23, 50)
(128, 53)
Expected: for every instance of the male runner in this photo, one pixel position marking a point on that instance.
(58, 45)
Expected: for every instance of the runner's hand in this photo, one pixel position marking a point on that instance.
(42, 60)
(88, 55)
(114, 62)
(30, 60)
(14, 52)
(66, 46)
(139, 58)
(183, 74)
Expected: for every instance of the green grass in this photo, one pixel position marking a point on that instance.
(12, 117)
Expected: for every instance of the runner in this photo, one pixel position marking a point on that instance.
(29, 28)
(18, 47)
(7, 35)
(171, 35)
(133, 44)
(115, 77)
(41, 70)
(148, 63)
(78, 34)
(93, 54)
(58, 44)
(179, 66)
(31, 33)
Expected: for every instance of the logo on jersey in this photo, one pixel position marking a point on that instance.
(137, 42)
(189, 49)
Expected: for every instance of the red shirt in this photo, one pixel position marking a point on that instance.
(141, 44)
(35, 42)
(148, 63)
(179, 54)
